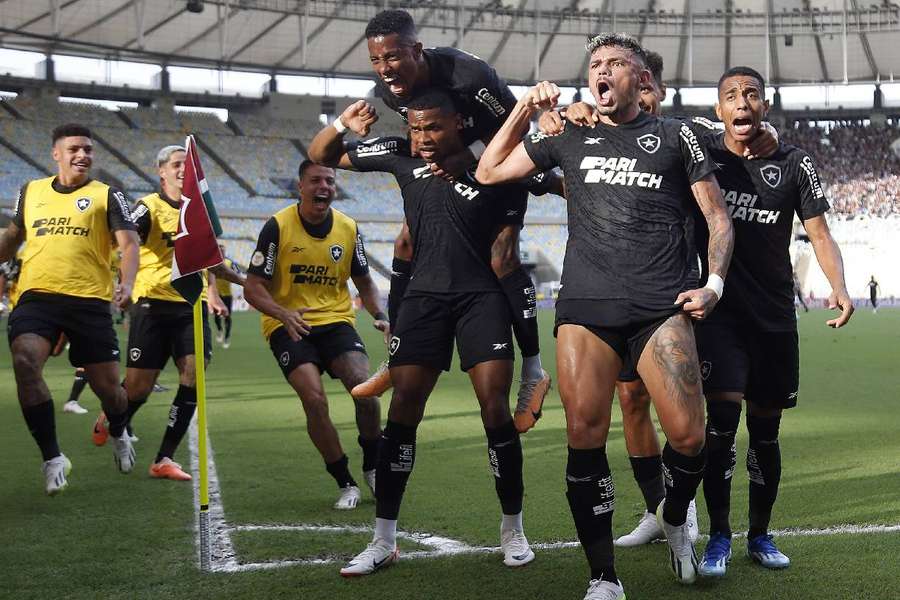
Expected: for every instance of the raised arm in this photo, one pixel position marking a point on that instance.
(829, 256)
(327, 148)
(701, 302)
(505, 158)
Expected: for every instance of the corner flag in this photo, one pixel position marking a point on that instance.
(196, 248)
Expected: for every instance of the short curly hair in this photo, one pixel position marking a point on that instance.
(389, 22)
(619, 40)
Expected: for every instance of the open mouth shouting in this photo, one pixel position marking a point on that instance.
(742, 126)
(604, 92)
(395, 84)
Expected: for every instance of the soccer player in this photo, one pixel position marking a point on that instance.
(223, 286)
(749, 347)
(298, 279)
(873, 294)
(483, 99)
(162, 323)
(453, 294)
(798, 291)
(69, 222)
(626, 286)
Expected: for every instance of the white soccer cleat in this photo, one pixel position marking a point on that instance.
(73, 407)
(369, 476)
(226, 344)
(693, 527)
(647, 530)
(55, 471)
(599, 589)
(219, 337)
(348, 499)
(516, 551)
(377, 555)
(682, 557)
(123, 452)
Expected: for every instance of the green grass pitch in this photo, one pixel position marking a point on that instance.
(115, 536)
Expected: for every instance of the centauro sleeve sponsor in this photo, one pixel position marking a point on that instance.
(19, 210)
(697, 161)
(376, 154)
(118, 215)
(265, 257)
(360, 264)
(812, 201)
(142, 220)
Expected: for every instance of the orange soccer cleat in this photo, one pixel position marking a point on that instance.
(101, 431)
(531, 400)
(376, 385)
(168, 469)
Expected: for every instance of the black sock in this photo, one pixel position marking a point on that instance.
(340, 470)
(764, 471)
(648, 474)
(77, 386)
(519, 290)
(42, 425)
(505, 456)
(682, 474)
(180, 415)
(721, 458)
(228, 327)
(218, 321)
(117, 422)
(591, 497)
(400, 273)
(396, 458)
(134, 406)
(370, 452)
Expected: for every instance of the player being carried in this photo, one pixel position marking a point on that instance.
(298, 279)
(483, 100)
(627, 288)
(453, 294)
(69, 222)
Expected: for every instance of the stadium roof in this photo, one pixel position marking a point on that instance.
(791, 41)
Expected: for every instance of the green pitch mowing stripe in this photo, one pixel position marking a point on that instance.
(111, 535)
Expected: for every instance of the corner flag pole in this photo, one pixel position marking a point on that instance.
(200, 370)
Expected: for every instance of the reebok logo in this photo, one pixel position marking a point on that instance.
(498, 346)
(589, 141)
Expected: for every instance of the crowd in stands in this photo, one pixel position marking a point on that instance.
(858, 166)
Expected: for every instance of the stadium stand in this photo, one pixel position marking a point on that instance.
(13, 173)
(259, 161)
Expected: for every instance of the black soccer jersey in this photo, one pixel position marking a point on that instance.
(452, 224)
(762, 196)
(481, 96)
(629, 207)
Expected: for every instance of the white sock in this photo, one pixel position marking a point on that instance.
(386, 529)
(532, 368)
(511, 522)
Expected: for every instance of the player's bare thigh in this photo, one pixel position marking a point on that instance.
(587, 368)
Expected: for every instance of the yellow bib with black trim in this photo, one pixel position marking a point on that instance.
(68, 241)
(154, 276)
(313, 272)
(223, 286)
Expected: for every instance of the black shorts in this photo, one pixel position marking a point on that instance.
(320, 346)
(428, 323)
(161, 329)
(625, 328)
(762, 365)
(87, 322)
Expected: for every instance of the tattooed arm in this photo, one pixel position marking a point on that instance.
(699, 303)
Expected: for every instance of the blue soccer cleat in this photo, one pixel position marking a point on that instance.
(716, 556)
(762, 549)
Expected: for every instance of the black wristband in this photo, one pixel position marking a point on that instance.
(380, 316)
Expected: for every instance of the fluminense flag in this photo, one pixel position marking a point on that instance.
(196, 247)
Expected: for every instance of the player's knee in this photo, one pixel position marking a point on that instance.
(688, 441)
(635, 403)
(26, 366)
(315, 404)
(587, 431)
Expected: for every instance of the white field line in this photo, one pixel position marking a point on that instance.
(223, 556)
